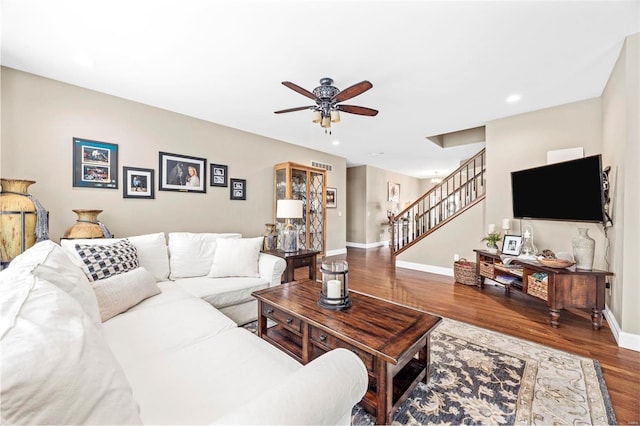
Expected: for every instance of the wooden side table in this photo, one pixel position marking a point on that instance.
(298, 259)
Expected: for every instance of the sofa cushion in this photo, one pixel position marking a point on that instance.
(144, 332)
(191, 254)
(103, 261)
(208, 378)
(236, 258)
(151, 248)
(49, 261)
(223, 292)
(54, 356)
(118, 293)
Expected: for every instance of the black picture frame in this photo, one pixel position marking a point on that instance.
(138, 182)
(219, 175)
(95, 164)
(238, 189)
(511, 245)
(175, 173)
(332, 198)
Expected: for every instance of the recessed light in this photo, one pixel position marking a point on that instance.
(375, 154)
(513, 98)
(335, 143)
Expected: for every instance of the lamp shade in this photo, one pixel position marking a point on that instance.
(289, 209)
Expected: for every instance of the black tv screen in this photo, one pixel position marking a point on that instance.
(571, 190)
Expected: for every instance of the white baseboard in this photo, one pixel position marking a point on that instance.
(336, 252)
(369, 245)
(425, 268)
(624, 339)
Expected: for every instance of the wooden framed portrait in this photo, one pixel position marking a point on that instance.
(219, 175)
(332, 198)
(238, 189)
(182, 173)
(95, 164)
(138, 182)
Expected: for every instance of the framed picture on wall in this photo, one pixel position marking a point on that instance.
(394, 192)
(219, 175)
(138, 182)
(332, 198)
(238, 189)
(182, 173)
(95, 164)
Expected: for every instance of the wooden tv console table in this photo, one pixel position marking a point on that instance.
(563, 288)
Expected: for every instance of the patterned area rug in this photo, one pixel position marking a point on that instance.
(483, 377)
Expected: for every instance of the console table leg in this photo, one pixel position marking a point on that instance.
(596, 319)
(555, 316)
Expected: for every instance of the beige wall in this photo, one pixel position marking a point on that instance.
(368, 201)
(621, 150)
(41, 116)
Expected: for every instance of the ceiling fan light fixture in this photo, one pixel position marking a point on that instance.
(326, 122)
(316, 116)
(335, 116)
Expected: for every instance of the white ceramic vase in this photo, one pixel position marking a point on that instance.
(583, 249)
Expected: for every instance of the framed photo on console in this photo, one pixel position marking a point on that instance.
(511, 245)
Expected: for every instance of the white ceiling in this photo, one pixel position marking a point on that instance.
(436, 66)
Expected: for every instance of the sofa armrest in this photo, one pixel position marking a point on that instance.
(320, 393)
(271, 268)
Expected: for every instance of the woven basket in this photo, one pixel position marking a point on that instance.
(487, 270)
(464, 272)
(537, 288)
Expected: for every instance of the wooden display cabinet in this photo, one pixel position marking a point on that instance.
(294, 181)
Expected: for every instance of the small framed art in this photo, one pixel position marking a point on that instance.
(95, 164)
(182, 173)
(238, 189)
(219, 175)
(138, 183)
(332, 198)
(511, 245)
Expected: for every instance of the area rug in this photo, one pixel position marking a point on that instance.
(479, 376)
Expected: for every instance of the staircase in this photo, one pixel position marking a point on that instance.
(458, 192)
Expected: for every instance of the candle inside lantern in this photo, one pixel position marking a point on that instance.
(491, 228)
(506, 224)
(333, 290)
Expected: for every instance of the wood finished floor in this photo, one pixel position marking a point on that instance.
(371, 272)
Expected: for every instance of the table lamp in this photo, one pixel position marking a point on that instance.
(289, 209)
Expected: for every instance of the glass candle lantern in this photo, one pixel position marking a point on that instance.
(335, 290)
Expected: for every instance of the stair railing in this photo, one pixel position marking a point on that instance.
(456, 193)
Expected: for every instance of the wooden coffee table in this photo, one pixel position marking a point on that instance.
(386, 336)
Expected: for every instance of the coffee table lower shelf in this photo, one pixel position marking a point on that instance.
(404, 381)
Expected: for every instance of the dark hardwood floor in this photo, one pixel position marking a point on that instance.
(519, 315)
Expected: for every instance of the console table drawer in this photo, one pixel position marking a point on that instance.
(302, 261)
(282, 318)
(328, 342)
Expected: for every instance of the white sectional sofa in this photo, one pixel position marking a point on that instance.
(155, 338)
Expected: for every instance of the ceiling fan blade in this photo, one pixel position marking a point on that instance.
(353, 109)
(352, 91)
(294, 109)
(296, 88)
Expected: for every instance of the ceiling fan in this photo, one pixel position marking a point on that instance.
(327, 96)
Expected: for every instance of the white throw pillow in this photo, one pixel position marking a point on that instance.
(56, 367)
(191, 254)
(152, 251)
(120, 292)
(236, 258)
(103, 261)
(49, 261)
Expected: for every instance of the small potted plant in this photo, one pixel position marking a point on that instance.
(492, 239)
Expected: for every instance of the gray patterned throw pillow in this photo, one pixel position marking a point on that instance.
(103, 261)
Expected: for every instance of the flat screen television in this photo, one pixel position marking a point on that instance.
(570, 190)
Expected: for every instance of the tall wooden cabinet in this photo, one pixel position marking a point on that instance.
(299, 182)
